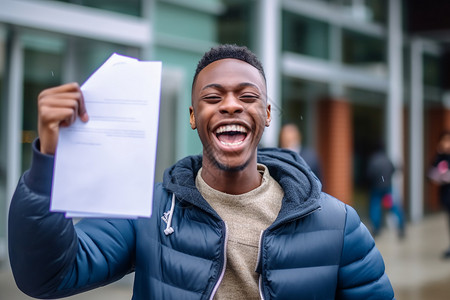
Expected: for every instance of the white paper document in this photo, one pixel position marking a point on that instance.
(105, 167)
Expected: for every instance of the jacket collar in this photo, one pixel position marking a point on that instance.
(301, 187)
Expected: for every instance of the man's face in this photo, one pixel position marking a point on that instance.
(290, 138)
(229, 111)
(445, 144)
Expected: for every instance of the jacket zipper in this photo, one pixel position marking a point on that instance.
(216, 287)
(260, 284)
(257, 264)
(260, 287)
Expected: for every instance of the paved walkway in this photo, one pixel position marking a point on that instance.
(413, 264)
(121, 290)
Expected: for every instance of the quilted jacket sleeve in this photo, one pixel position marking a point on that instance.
(362, 271)
(52, 258)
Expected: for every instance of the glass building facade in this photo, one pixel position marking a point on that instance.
(352, 59)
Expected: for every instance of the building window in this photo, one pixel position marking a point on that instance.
(235, 24)
(364, 10)
(432, 71)
(42, 54)
(368, 123)
(88, 55)
(298, 105)
(305, 36)
(363, 51)
(50, 60)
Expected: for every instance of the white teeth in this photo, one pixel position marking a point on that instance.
(232, 144)
(228, 128)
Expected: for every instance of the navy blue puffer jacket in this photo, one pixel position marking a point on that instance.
(317, 248)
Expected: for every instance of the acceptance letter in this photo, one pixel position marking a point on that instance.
(105, 167)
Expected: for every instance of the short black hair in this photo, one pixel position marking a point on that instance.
(229, 51)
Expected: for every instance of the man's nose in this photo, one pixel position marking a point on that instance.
(230, 105)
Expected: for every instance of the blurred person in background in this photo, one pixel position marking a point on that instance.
(383, 194)
(291, 138)
(236, 222)
(439, 174)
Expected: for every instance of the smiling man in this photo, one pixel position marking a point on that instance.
(233, 223)
(229, 110)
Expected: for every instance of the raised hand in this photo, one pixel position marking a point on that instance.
(58, 106)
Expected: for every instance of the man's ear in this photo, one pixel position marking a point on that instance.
(268, 117)
(192, 118)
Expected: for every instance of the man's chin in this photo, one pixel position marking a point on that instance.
(231, 168)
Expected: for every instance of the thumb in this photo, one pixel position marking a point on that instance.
(82, 112)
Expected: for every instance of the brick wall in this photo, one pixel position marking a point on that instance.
(335, 144)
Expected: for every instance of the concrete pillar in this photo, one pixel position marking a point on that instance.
(14, 134)
(269, 41)
(14, 97)
(394, 128)
(416, 141)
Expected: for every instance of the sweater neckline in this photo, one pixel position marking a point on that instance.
(229, 199)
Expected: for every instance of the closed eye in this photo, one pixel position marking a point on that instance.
(249, 97)
(211, 98)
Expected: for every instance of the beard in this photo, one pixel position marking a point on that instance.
(228, 168)
(216, 161)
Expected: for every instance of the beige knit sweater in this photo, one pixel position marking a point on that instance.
(246, 216)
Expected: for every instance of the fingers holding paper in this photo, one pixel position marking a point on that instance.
(58, 106)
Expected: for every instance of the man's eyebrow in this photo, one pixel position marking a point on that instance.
(242, 84)
(249, 84)
(212, 85)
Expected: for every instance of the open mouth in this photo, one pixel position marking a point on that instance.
(231, 135)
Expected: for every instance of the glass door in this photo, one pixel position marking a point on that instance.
(42, 68)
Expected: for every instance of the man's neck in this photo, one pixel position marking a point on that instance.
(232, 182)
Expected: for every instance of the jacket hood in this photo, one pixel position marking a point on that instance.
(301, 187)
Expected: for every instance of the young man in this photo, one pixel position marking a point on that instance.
(234, 223)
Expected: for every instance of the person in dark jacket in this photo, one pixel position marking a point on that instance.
(233, 223)
(383, 194)
(439, 173)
